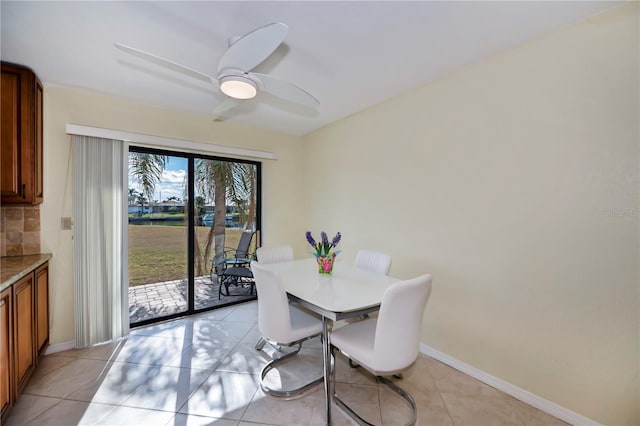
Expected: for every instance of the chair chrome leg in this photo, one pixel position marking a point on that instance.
(326, 366)
(260, 343)
(284, 393)
(350, 412)
(405, 395)
(355, 416)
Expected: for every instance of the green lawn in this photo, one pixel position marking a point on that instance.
(159, 253)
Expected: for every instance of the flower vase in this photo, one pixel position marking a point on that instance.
(325, 264)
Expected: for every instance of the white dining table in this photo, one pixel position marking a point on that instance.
(347, 292)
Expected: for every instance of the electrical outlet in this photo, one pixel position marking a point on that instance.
(67, 223)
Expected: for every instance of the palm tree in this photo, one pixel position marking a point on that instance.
(253, 199)
(147, 169)
(133, 195)
(220, 181)
(200, 205)
(141, 200)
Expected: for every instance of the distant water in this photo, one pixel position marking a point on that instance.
(157, 222)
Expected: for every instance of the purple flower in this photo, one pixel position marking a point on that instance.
(323, 247)
(310, 238)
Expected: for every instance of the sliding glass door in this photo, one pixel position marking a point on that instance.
(158, 236)
(226, 207)
(184, 211)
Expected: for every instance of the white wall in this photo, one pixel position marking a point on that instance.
(505, 181)
(281, 210)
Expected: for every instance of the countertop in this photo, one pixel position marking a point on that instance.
(12, 268)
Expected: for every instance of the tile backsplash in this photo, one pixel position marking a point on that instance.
(19, 230)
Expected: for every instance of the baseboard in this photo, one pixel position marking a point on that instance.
(527, 397)
(59, 347)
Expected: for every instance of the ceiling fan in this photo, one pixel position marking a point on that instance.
(234, 77)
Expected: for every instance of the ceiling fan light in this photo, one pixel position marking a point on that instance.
(238, 87)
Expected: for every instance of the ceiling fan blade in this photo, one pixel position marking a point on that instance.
(224, 106)
(166, 63)
(254, 47)
(287, 91)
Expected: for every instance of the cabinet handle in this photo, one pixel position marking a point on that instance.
(24, 189)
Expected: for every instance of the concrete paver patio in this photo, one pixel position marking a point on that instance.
(155, 300)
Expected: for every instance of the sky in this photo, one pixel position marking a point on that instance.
(173, 180)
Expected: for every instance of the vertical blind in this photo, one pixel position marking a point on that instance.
(100, 239)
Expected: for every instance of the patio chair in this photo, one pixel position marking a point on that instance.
(234, 268)
(239, 256)
(239, 276)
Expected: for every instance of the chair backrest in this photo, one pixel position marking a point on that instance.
(373, 261)
(274, 318)
(274, 254)
(397, 338)
(244, 243)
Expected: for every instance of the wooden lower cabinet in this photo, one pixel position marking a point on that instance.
(24, 333)
(6, 354)
(23, 330)
(42, 308)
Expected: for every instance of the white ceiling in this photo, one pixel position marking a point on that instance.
(350, 55)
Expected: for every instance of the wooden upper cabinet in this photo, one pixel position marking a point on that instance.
(21, 136)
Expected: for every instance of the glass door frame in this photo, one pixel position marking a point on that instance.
(191, 225)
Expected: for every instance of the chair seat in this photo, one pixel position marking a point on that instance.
(238, 276)
(238, 261)
(357, 340)
(303, 324)
(238, 271)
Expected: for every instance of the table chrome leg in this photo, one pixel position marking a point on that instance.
(326, 360)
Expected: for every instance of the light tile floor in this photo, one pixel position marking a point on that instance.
(203, 370)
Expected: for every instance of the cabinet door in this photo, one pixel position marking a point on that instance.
(6, 355)
(23, 331)
(42, 307)
(38, 172)
(21, 134)
(11, 172)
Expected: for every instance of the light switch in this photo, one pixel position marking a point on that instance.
(67, 223)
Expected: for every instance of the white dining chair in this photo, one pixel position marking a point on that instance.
(373, 261)
(388, 344)
(274, 254)
(281, 324)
